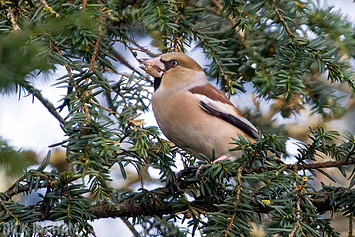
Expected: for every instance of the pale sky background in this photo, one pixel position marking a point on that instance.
(25, 123)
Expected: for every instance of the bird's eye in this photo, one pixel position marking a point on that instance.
(174, 63)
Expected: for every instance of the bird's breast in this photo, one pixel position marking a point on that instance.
(173, 113)
(186, 124)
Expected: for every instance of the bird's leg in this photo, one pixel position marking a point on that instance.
(199, 170)
(223, 157)
(220, 158)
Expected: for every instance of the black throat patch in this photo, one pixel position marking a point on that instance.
(157, 82)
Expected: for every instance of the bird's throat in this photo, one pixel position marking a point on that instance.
(157, 81)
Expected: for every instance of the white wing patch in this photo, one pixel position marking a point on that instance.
(224, 108)
(217, 105)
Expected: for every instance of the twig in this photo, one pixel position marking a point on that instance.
(92, 61)
(124, 61)
(87, 112)
(84, 5)
(15, 217)
(35, 92)
(297, 224)
(48, 8)
(8, 211)
(327, 164)
(238, 188)
(97, 44)
(12, 17)
(105, 108)
(130, 227)
(142, 49)
(69, 70)
(26, 188)
(11, 192)
(284, 23)
(351, 225)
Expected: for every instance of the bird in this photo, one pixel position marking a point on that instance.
(191, 112)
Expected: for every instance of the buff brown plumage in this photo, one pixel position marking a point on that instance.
(190, 111)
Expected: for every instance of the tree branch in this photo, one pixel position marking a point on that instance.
(327, 164)
(230, 18)
(35, 92)
(284, 23)
(11, 15)
(132, 208)
(124, 61)
(130, 227)
(48, 8)
(150, 206)
(140, 48)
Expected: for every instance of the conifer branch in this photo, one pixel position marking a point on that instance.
(124, 61)
(289, 32)
(230, 18)
(140, 48)
(48, 8)
(130, 227)
(350, 225)
(297, 224)
(12, 17)
(326, 164)
(238, 189)
(50, 107)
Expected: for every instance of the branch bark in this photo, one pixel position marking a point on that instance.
(151, 205)
(327, 164)
(131, 207)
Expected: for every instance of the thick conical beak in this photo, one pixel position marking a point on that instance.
(153, 66)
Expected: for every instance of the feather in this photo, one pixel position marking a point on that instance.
(216, 103)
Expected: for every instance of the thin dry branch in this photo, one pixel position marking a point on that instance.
(124, 61)
(48, 8)
(238, 188)
(36, 93)
(284, 23)
(130, 227)
(297, 224)
(141, 48)
(84, 4)
(12, 17)
(351, 225)
(96, 48)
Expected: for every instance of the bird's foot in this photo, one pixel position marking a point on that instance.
(218, 159)
(199, 170)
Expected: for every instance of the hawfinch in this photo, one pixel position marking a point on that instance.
(190, 111)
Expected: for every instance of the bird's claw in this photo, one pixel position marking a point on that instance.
(223, 157)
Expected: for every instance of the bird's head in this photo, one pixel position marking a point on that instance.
(172, 69)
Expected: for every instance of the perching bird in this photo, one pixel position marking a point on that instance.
(190, 111)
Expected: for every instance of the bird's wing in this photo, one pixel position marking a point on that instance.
(214, 102)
